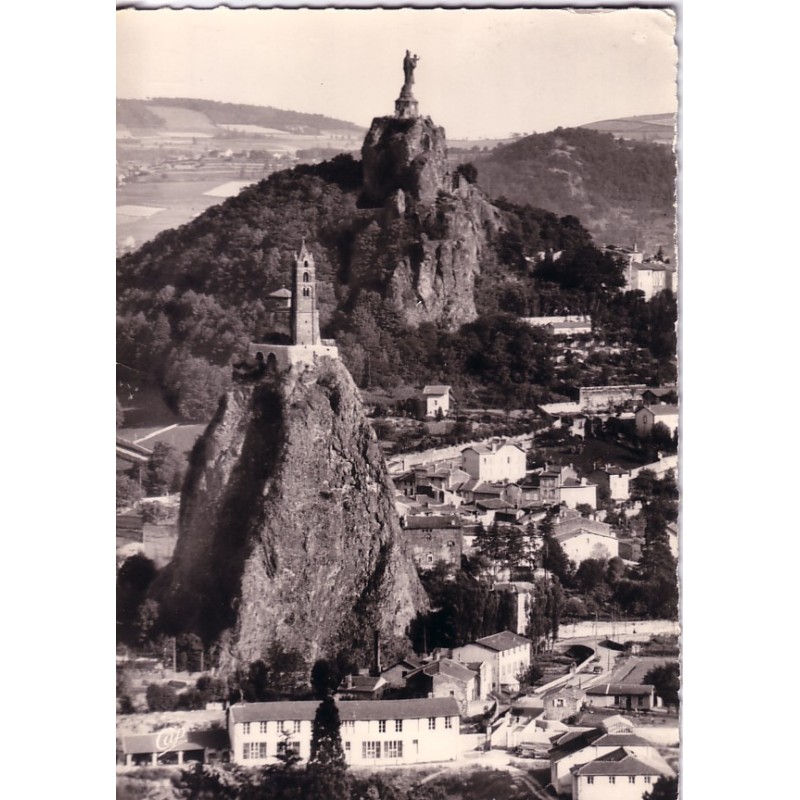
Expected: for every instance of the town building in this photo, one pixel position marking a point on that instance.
(508, 652)
(395, 675)
(448, 678)
(361, 687)
(576, 748)
(498, 461)
(436, 401)
(522, 592)
(621, 774)
(434, 538)
(582, 538)
(628, 696)
(606, 398)
(648, 416)
(615, 480)
(374, 732)
(174, 746)
(306, 343)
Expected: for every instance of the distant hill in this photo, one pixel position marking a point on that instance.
(659, 128)
(176, 113)
(622, 191)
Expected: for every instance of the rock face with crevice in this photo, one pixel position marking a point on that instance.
(288, 531)
(427, 247)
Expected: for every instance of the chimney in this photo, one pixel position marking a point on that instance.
(377, 652)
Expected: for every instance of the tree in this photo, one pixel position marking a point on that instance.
(663, 789)
(326, 739)
(327, 779)
(128, 491)
(161, 698)
(325, 678)
(667, 681)
(164, 470)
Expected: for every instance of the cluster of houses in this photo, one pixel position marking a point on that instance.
(443, 502)
(580, 731)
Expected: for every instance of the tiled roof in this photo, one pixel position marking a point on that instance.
(620, 688)
(618, 762)
(348, 709)
(663, 410)
(623, 740)
(504, 640)
(445, 666)
(572, 742)
(435, 390)
(281, 293)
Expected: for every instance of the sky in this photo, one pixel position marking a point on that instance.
(481, 72)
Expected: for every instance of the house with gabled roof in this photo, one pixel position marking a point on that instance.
(395, 675)
(577, 748)
(361, 687)
(649, 416)
(447, 678)
(494, 462)
(630, 696)
(374, 732)
(622, 774)
(436, 400)
(508, 652)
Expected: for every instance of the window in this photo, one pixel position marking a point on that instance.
(281, 723)
(253, 750)
(246, 728)
(382, 726)
(262, 727)
(305, 275)
(590, 779)
(559, 702)
(306, 292)
(296, 726)
(289, 747)
(398, 725)
(647, 779)
(349, 725)
(448, 722)
(431, 723)
(370, 749)
(347, 747)
(393, 749)
(612, 779)
(631, 779)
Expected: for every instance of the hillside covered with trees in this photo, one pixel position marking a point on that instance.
(190, 300)
(623, 191)
(139, 114)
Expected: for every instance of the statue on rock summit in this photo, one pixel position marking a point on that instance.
(409, 65)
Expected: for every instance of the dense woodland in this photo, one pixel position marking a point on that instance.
(191, 299)
(613, 185)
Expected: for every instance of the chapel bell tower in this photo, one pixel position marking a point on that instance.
(305, 317)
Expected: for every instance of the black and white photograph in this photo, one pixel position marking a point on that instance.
(398, 403)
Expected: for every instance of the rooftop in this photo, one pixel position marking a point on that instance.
(632, 689)
(504, 640)
(618, 762)
(348, 709)
(215, 739)
(435, 390)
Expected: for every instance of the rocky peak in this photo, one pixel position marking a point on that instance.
(408, 154)
(288, 531)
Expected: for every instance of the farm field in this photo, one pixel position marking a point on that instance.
(179, 201)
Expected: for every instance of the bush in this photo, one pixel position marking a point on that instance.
(161, 698)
